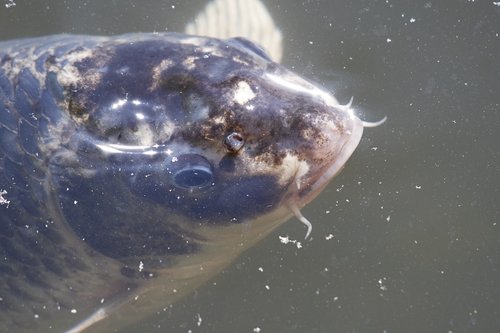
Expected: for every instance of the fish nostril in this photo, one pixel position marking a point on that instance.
(234, 142)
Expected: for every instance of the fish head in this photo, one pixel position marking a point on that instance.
(166, 143)
(216, 131)
(271, 138)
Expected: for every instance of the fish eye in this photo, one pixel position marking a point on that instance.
(234, 142)
(192, 171)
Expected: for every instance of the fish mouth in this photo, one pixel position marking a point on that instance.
(324, 176)
(346, 150)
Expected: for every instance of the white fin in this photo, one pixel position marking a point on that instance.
(296, 211)
(89, 321)
(374, 124)
(239, 18)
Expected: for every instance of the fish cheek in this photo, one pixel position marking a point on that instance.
(103, 212)
(249, 196)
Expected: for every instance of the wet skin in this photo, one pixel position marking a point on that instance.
(132, 161)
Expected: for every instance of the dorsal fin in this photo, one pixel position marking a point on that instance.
(239, 18)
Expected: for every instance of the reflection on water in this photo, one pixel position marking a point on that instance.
(406, 238)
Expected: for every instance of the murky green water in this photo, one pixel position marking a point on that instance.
(407, 238)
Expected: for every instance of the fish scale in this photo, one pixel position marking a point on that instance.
(36, 258)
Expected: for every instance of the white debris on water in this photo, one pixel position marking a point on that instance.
(329, 237)
(381, 283)
(73, 311)
(257, 330)
(9, 3)
(287, 240)
(199, 320)
(3, 200)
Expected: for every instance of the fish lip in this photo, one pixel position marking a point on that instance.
(326, 176)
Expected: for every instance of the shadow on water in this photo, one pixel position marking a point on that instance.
(407, 238)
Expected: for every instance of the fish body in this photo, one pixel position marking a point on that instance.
(133, 168)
